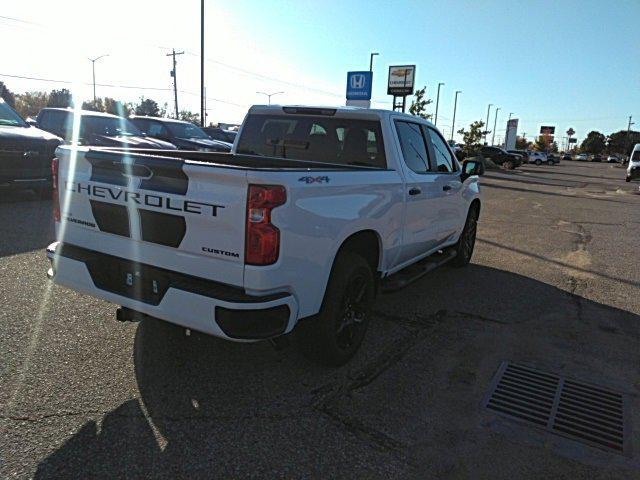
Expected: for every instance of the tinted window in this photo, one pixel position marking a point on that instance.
(56, 121)
(186, 130)
(9, 117)
(108, 126)
(319, 139)
(413, 147)
(156, 129)
(443, 159)
(635, 156)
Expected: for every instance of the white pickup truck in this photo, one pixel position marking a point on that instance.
(313, 212)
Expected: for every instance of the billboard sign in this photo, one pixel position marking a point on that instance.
(512, 132)
(573, 140)
(547, 130)
(401, 80)
(359, 85)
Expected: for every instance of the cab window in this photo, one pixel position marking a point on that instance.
(414, 148)
(444, 162)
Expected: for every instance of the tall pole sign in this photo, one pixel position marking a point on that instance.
(401, 83)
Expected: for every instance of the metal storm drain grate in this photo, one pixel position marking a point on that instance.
(591, 414)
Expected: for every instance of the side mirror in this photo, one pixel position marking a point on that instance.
(471, 168)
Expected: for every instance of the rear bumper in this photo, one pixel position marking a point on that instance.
(200, 304)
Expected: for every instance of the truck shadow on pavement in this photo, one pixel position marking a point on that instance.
(27, 222)
(210, 408)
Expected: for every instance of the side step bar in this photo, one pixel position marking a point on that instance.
(416, 271)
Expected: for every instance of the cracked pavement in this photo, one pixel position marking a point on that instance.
(554, 283)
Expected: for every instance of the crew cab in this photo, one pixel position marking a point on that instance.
(313, 213)
(26, 153)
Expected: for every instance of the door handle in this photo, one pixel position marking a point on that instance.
(415, 191)
(446, 188)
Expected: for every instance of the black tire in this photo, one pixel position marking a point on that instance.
(467, 240)
(333, 336)
(508, 165)
(550, 162)
(627, 179)
(538, 162)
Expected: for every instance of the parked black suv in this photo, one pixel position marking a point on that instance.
(97, 129)
(523, 153)
(184, 135)
(219, 134)
(25, 153)
(501, 157)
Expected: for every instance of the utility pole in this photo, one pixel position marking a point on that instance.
(455, 106)
(202, 63)
(175, 78)
(371, 61)
(495, 122)
(629, 133)
(486, 125)
(437, 102)
(93, 68)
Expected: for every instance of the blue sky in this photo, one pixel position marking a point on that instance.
(564, 63)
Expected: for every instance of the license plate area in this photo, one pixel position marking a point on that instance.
(130, 279)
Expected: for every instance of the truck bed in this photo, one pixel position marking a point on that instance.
(228, 160)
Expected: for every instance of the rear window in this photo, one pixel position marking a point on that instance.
(318, 139)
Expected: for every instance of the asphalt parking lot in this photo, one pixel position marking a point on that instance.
(554, 284)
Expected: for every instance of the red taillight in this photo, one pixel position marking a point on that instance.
(263, 238)
(55, 197)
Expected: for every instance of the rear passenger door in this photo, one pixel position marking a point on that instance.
(450, 205)
(420, 233)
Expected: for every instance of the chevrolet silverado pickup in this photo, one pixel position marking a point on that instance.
(313, 213)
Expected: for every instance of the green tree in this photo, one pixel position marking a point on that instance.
(419, 104)
(522, 143)
(189, 116)
(60, 98)
(620, 142)
(96, 105)
(472, 138)
(30, 103)
(594, 143)
(542, 143)
(116, 107)
(147, 107)
(7, 95)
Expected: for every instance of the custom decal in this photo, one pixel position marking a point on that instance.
(220, 252)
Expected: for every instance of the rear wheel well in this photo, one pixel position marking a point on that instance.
(366, 244)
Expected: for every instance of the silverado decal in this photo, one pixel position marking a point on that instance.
(147, 199)
(323, 179)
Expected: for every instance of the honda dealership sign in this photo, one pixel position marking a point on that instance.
(359, 89)
(401, 80)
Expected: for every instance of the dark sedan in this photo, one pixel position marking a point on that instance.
(97, 129)
(184, 135)
(25, 153)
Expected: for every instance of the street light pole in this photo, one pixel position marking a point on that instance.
(269, 95)
(495, 122)
(202, 111)
(486, 125)
(93, 68)
(437, 103)
(455, 106)
(371, 61)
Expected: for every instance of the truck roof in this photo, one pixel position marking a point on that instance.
(82, 112)
(331, 111)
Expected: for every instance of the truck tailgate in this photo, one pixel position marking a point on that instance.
(170, 213)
